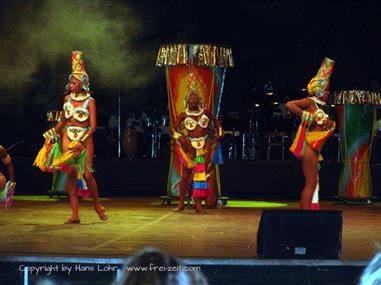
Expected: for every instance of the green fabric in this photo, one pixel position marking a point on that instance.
(4, 191)
(79, 162)
(199, 160)
(54, 153)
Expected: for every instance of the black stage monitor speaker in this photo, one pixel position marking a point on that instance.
(300, 234)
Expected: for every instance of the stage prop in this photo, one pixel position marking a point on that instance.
(356, 111)
(300, 234)
(208, 62)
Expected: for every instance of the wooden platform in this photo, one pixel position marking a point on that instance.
(34, 226)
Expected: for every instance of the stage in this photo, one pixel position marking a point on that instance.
(33, 231)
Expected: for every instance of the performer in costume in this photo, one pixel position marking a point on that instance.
(7, 188)
(194, 145)
(75, 129)
(314, 129)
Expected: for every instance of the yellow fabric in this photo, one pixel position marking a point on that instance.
(40, 159)
(64, 158)
(190, 163)
(295, 142)
(72, 144)
(200, 152)
(315, 137)
(199, 176)
(70, 154)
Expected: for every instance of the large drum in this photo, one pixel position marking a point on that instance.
(356, 115)
(208, 63)
(129, 143)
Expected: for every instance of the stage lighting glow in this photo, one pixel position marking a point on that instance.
(42, 198)
(254, 204)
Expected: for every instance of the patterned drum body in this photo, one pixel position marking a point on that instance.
(356, 124)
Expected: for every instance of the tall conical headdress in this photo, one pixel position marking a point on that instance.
(319, 85)
(78, 69)
(192, 86)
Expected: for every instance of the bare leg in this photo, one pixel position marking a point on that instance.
(185, 185)
(199, 208)
(71, 184)
(186, 179)
(310, 169)
(92, 184)
(93, 188)
(71, 188)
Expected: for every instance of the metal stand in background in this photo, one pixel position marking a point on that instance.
(338, 137)
(155, 138)
(119, 128)
(249, 149)
(13, 145)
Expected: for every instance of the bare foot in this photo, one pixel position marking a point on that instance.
(178, 209)
(73, 221)
(101, 213)
(200, 211)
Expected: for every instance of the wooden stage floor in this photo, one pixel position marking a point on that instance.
(34, 226)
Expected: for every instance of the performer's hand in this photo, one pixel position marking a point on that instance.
(50, 134)
(308, 118)
(185, 143)
(183, 140)
(12, 186)
(327, 125)
(76, 147)
(219, 138)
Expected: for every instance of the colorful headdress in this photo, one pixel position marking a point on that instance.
(192, 86)
(78, 69)
(319, 85)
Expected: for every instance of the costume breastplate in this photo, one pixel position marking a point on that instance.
(76, 133)
(191, 124)
(320, 116)
(80, 114)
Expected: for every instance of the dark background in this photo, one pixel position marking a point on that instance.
(282, 42)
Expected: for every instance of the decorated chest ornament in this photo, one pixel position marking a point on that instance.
(191, 123)
(320, 117)
(80, 113)
(319, 84)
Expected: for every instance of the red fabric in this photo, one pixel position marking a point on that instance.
(200, 193)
